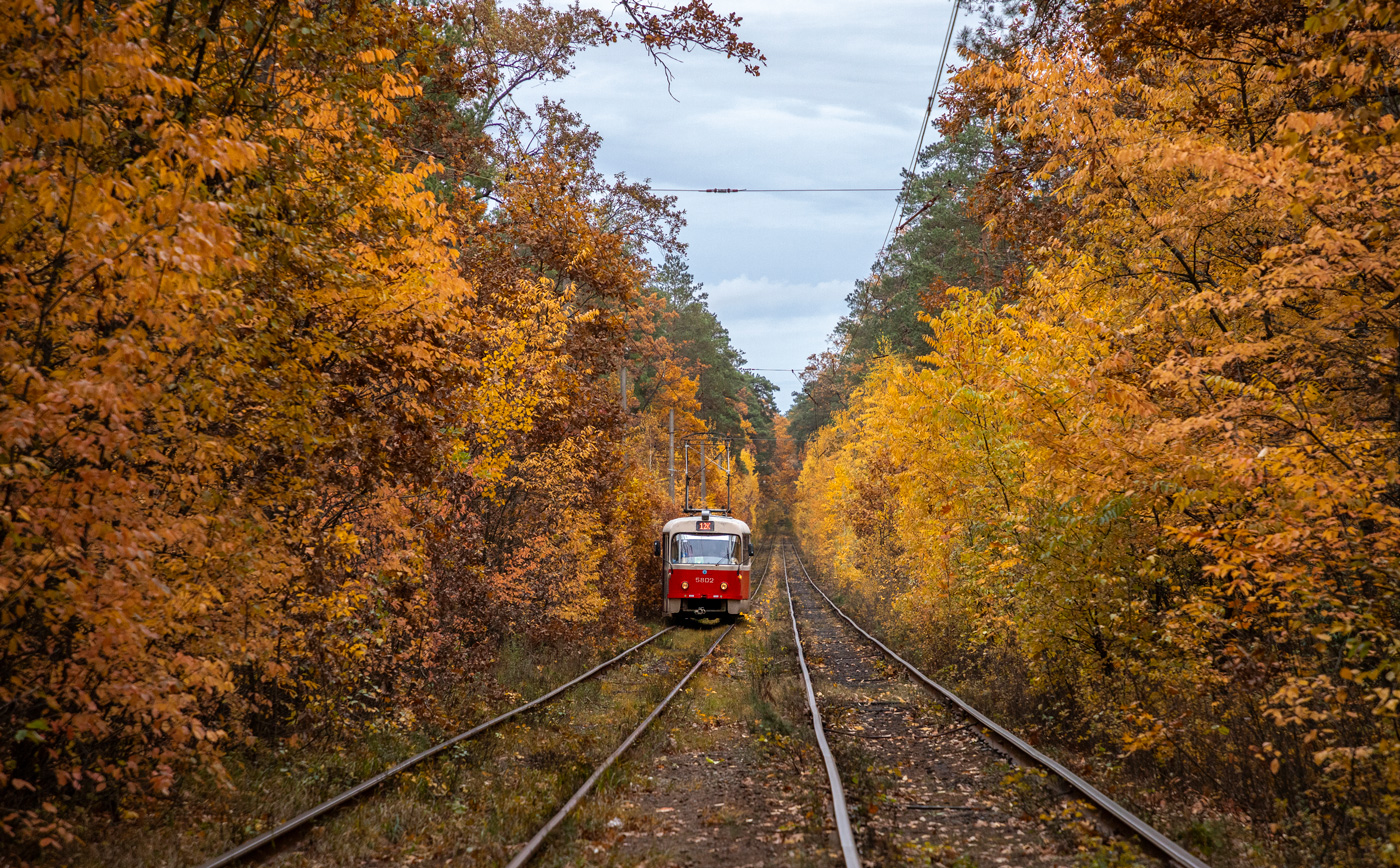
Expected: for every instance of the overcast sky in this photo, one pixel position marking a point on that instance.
(838, 105)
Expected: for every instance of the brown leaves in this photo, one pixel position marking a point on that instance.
(690, 25)
(285, 421)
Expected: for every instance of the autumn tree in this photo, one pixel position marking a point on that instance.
(303, 321)
(734, 402)
(938, 242)
(1155, 481)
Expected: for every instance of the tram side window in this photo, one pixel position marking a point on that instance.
(688, 548)
(745, 550)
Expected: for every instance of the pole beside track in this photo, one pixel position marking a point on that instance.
(833, 774)
(331, 804)
(1165, 847)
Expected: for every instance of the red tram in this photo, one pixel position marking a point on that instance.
(705, 566)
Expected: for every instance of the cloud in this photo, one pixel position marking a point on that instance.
(838, 105)
(778, 324)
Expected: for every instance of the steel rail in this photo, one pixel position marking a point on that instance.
(767, 568)
(359, 789)
(833, 774)
(1165, 847)
(534, 844)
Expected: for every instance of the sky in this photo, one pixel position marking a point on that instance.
(839, 104)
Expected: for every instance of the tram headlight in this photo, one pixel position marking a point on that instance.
(724, 586)
(684, 585)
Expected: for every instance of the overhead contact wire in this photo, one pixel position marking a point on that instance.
(1161, 843)
(928, 114)
(833, 774)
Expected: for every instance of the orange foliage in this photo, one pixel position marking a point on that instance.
(293, 422)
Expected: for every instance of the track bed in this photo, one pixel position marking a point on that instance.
(790, 739)
(740, 782)
(923, 787)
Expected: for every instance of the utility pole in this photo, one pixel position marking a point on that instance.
(622, 376)
(671, 451)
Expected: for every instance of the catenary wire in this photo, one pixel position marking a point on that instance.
(928, 114)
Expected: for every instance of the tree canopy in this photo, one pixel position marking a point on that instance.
(734, 402)
(939, 242)
(1147, 467)
(309, 358)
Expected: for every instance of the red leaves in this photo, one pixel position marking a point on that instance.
(687, 26)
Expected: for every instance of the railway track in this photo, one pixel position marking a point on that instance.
(868, 719)
(949, 805)
(531, 847)
(841, 815)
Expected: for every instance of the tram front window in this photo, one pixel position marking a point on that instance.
(687, 548)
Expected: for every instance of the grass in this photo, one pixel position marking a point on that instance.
(468, 805)
(476, 803)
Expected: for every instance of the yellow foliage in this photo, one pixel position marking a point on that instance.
(1159, 478)
(293, 429)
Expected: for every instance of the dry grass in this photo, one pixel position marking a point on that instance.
(468, 806)
(475, 804)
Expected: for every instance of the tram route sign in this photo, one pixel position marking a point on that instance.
(704, 525)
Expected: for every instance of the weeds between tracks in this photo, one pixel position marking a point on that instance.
(743, 714)
(468, 805)
(740, 781)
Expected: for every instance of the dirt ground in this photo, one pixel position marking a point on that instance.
(924, 788)
(713, 808)
(742, 783)
(728, 777)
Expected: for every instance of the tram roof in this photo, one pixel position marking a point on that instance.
(722, 524)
